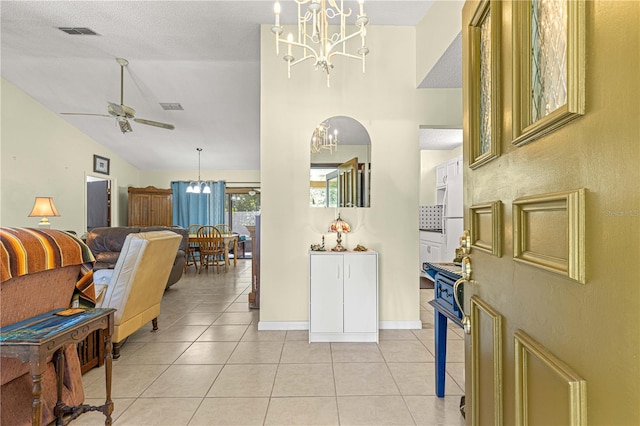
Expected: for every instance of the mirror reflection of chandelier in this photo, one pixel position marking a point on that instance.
(314, 38)
(323, 138)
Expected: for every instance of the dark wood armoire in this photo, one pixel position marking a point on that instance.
(150, 206)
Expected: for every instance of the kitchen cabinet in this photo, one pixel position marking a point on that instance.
(449, 187)
(150, 206)
(431, 248)
(441, 175)
(343, 296)
(448, 170)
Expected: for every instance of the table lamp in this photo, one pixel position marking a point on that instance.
(44, 207)
(339, 226)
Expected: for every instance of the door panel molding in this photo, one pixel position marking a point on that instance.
(549, 232)
(486, 227)
(480, 310)
(527, 349)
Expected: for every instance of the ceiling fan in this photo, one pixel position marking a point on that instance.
(123, 113)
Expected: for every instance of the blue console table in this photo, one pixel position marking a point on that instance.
(444, 306)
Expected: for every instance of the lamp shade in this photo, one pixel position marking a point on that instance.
(44, 207)
(340, 226)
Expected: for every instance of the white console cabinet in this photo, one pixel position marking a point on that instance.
(343, 296)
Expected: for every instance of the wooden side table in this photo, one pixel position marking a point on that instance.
(34, 339)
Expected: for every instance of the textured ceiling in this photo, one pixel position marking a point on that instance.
(445, 139)
(447, 72)
(202, 54)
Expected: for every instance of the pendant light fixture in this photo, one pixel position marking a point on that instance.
(199, 186)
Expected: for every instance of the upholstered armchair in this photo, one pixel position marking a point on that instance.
(137, 283)
(106, 244)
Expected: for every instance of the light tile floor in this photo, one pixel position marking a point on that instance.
(209, 365)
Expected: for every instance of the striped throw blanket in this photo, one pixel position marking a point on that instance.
(29, 250)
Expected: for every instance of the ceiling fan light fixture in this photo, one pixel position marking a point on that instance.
(125, 127)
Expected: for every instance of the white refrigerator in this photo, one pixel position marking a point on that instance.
(452, 211)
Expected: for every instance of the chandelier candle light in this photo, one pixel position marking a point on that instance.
(339, 226)
(196, 187)
(314, 38)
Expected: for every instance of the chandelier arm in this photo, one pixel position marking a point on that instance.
(349, 37)
(346, 55)
(304, 46)
(297, 61)
(342, 42)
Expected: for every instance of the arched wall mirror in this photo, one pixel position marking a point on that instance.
(340, 164)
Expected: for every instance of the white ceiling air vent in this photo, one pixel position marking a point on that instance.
(78, 31)
(173, 106)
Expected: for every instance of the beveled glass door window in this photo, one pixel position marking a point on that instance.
(484, 69)
(548, 52)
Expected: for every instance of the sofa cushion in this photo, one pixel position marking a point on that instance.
(105, 240)
(106, 260)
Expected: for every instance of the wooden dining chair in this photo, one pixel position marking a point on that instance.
(226, 230)
(211, 248)
(193, 249)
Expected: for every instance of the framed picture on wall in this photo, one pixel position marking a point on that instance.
(100, 164)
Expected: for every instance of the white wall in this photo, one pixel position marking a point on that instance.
(439, 27)
(429, 160)
(43, 155)
(385, 101)
(163, 178)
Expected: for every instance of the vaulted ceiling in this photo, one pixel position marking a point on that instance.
(204, 55)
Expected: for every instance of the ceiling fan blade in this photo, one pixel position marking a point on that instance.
(115, 109)
(154, 123)
(84, 113)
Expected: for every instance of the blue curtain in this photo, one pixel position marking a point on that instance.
(203, 209)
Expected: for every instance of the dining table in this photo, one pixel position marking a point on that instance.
(227, 240)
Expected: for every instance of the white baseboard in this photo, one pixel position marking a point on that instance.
(304, 325)
(400, 325)
(283, 325)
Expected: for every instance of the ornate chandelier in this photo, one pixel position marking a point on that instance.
(324, 139)
(314, 38)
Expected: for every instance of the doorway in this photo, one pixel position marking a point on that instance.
(98, 208)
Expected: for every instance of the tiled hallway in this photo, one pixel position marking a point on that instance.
(208, 365)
